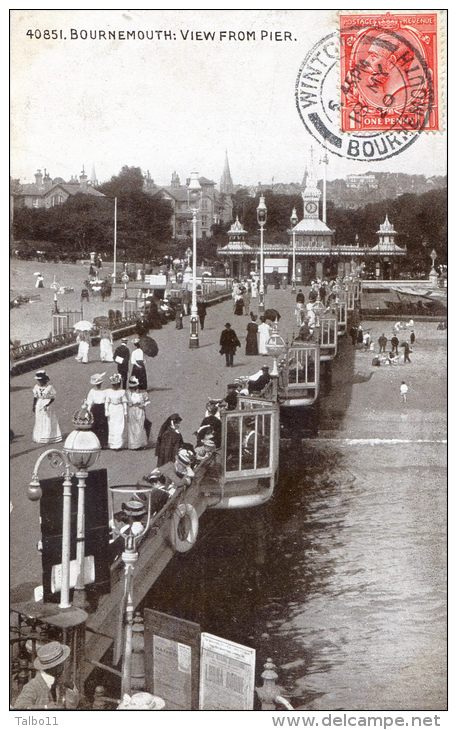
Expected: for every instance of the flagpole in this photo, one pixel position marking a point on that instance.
(115, 240)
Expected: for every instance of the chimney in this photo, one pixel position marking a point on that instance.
(47, 179)
(39, 178)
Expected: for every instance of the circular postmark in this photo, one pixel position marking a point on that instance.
(336, 77)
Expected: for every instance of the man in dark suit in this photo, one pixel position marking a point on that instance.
(394, 341)
(201, 309)
(229, 342)
(121, 357)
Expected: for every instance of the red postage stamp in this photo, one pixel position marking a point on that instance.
(389, 72)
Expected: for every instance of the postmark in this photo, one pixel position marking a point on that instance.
(318, 101)
(389, 72)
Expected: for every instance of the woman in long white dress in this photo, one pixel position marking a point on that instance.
(137, 401)
(264, 335)
(116, 412)
(46, 429)
(83, 340)
(106, 345)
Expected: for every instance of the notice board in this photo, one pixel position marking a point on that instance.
(172, 659)
(227, 674)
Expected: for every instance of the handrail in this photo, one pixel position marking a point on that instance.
(48, 344)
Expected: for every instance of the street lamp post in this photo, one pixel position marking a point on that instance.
(433, 275)
(293, 223)
(194, 198)
(113, 275)
(34, 492)
(136, 510)
(261, 219)
(125, 280)
(82, 449)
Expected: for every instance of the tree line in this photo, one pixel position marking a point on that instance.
(84, 222)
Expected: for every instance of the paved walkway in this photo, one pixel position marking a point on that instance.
(364, 403)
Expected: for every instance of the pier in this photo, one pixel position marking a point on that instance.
(360, 412)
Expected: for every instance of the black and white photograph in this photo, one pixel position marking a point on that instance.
(228, 366)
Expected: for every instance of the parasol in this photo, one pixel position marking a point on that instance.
(149, 346)
(37, 273)
(83, 325)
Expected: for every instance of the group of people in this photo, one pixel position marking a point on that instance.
(257, 337)
(119, 413)
(121, 355)
(242, 293)
(388, 356)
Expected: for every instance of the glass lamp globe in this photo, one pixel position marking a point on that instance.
(194, 190)
(275, 345)
(82, 445)
(261, 211)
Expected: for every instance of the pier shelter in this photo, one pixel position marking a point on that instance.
(237, 255)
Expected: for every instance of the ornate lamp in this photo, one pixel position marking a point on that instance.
(194, 193)
(261, 219)
(293, 223)
(137, 514)
(82, 449)
(275, 348)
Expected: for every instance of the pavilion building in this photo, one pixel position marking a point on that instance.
(316, 254)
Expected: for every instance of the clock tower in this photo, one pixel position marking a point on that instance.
(311, 194)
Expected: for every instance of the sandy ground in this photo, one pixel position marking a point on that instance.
(32, 321)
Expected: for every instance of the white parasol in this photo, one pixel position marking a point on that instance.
(37, 273)
(83, 325)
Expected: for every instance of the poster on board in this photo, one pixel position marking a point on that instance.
(227, 673)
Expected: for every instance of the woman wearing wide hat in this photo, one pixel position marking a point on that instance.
(116, 412)
(169, 439)
(45, 690)
(95, 402)
(137, 400)
(46, 429)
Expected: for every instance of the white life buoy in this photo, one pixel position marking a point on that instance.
(183, 527)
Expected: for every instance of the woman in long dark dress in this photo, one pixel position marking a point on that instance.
(252, 347)
(169, 439)
(239, 305)
(95, 402)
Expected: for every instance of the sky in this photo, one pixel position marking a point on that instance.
(167, 104)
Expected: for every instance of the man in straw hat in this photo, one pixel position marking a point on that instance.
(46, 688)
(122, 358)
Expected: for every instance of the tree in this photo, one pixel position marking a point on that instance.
(85, 222)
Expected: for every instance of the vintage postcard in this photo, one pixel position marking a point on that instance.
(228, 349)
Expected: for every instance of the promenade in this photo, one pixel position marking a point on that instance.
(364, 403)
